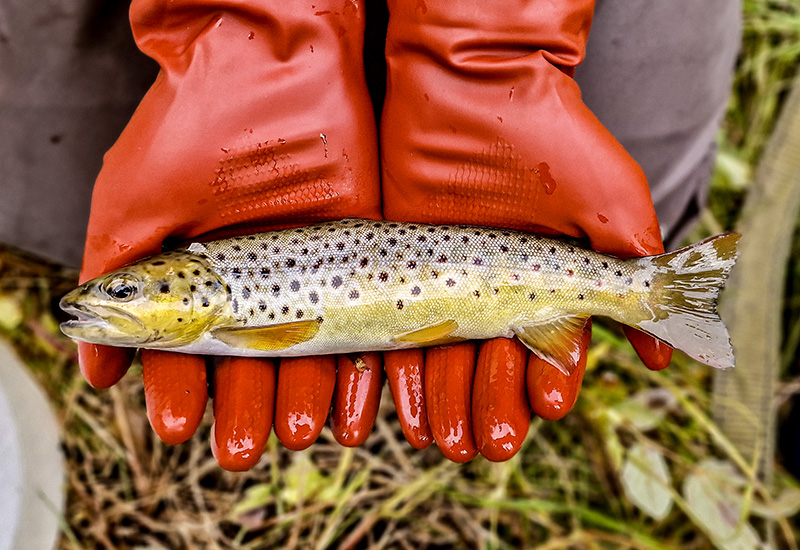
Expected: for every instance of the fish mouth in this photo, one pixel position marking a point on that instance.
(97, 324)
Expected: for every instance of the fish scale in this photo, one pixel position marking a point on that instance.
(347, 273)
(363, 285)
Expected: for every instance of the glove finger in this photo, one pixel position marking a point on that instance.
(244, 402)
(356, 398)
(404, 370)
(449, 372)
(175, 392)
(303, 398)
(103, 366)
(654, 353)
(551, 393)
(500, 411)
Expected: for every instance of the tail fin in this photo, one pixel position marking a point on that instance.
(686, 284)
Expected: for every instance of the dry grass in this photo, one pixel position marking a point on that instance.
(564, 490)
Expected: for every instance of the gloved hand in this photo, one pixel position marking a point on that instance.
(483, 124)
(259, 119)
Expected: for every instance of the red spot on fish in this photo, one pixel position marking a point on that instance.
(251, 35)
(602, 218)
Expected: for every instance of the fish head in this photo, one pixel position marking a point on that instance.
(166, 301)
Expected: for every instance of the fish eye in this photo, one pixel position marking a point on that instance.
(121, 289)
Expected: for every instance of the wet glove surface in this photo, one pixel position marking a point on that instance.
(484, 125)
(257, 120)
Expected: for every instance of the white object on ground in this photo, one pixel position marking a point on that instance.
(31, 464)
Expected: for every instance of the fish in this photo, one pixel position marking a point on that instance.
(354, 285)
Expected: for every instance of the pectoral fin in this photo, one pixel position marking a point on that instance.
(429, 334)
(270, 338)
(557, 342)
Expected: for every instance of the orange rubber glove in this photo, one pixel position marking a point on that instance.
(260, 118)
(483, 124)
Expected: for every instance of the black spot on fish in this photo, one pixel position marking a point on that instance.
(276, 289)
(441, 259)
(180, 319)
(252, 256)
(196, 272)
(605, 265)
(532, 296)
(465, 239)
(495, 291)
(580, 296)
(336, 282)
(276, 250)
(291, 262)
(354, 294)
(587, 261)
(477, 261)
(235, 306)
(265, 246)
(285, 310)
(252, 312)
(476, 293)
(264, 272)
(383, 276)
(299, 314)
(237, 248)
(446, 237)
(192, 288)
(392, 241)
(271, 316)
(221, 257)
(503, 248)
(181, 275)
(237, 273)
(411, 265)
(295, 285)
(314, 297)
(163, 288)
(340, 246)
(647, 284)
(618, 273)
(450, 282)
(629, 281)
(415, 291)
(364, 262)
(422, 238)
(536, 267)
(205, 302)
(570, 273)
(186, 301)
(401, 232)
(383, 252)
(245, 292)
(158, 262)
(370, 236)
(434, 274)
(319, 319)
(552, 250)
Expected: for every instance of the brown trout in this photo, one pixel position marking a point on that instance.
(362, 285)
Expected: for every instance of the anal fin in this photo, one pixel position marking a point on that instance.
(557, 342)
(268, 338)
(429, 333)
